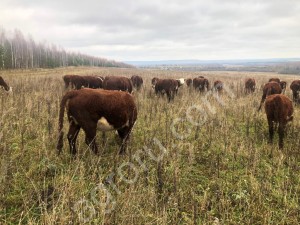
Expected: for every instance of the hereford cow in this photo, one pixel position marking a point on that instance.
(92, 109)
(153, 81)
(189, 82)
(4, 85)
(137, 82)
(270, 88)
(168, 86)
(77, 81)
(250, 85)
(218, 85)
(118, 83)
(295, 87)
(200, 84)
(279, 110)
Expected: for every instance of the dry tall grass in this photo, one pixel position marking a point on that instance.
(216, 165)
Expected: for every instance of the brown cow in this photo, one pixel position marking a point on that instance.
(274, 79)
(4, 85)
(168, 86)
(270, 88)
(295, 87)
(78, 81)
(201, 84)
(92, 109)
(279, 110)
(153, 81)
(282, 83)
(218, 85)
(189, 82)
(118, 83)
(250, 85)
(67, 80)
(137, 81)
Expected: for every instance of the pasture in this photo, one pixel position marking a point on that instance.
(200, 159)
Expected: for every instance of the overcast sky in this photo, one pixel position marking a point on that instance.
(161, 29)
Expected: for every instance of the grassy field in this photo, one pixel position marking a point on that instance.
(201, 159)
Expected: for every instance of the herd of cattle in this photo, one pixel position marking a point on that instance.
(108, 104)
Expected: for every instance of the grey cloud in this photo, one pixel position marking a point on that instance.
(163, 29)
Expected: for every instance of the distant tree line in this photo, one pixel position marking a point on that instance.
(18, 52)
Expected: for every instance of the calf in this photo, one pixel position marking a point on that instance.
(269, 88)
(295, 87)
(137, 81)
(279, 110)
(201, 84)
(4, 85)
(90, 109)
(118, 83)
(168, 86)
(250, 85)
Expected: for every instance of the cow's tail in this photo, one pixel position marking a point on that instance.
(63, 102)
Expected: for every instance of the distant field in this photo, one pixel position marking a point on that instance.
(197, 160)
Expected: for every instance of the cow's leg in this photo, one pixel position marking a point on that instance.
(262, 101)
(170, 95)
(295, 96)
(90, 135)
(124, 135)
(72, 136)
(271, 130)
(281, 129)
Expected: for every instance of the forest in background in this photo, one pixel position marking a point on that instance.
(19, 52)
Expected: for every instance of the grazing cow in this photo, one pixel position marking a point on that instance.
(200, 84)
(275, 80)
(279, 110)
(94, 81)
(118, 83)
(92, 109)
(67, 80)
(270, 88)
(137, 82)
(250, 85)
(189, 82)
(78, 81)
(295, 87)
(168, 86)
(4, 85)
(218, 86)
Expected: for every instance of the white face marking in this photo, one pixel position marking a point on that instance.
(103, 125)
(181, 80)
